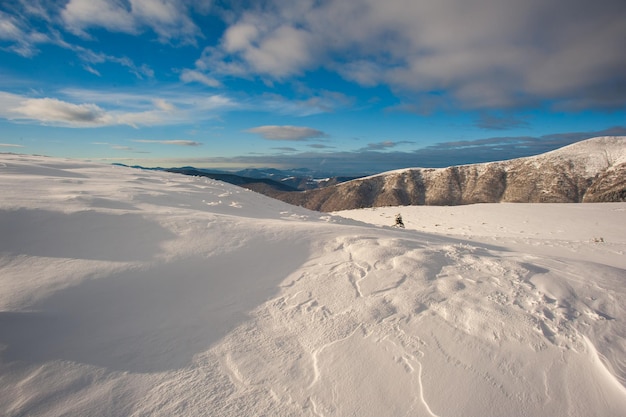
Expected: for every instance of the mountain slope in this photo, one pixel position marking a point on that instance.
(262, 185)
(143, 293)
(592, 170)
(268, 182)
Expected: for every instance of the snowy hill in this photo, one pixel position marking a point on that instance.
(142, 293)
(589, 171)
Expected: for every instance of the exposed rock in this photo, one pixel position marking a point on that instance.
(610, 186)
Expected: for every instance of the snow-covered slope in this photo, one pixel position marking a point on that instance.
(133, 293)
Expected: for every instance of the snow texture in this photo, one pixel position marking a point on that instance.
(139, 293)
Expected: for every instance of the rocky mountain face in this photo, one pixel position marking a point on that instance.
(590, 171)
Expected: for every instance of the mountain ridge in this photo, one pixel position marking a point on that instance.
(593, 170)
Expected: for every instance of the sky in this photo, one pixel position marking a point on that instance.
(342, 87)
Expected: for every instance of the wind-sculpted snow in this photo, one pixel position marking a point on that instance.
(131, 293)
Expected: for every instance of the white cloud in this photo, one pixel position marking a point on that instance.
(92, 70)
(92, 57)
(170, 20)
(191, 76)
(182, 101)
(9, 29)
(50, 110)
(164, 105)
(110, 15)
(363, 72)
(176, 142)
(100, 108)
(18, 30)
(322, 101)
(121, 148)
(285, 51)
(295, 133)
(23, 39)
(277, 52)
(10, 145)
(239, 37)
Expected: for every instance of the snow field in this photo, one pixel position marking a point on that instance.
(138, 293)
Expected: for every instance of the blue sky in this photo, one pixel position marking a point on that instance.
(347, 87)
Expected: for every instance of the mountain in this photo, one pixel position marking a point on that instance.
(589, 171)
(269, 181)
(259, 184)
(299, 179)
(127, 292)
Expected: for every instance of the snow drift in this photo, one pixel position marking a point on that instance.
(134, 293)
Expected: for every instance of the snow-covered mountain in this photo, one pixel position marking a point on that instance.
(142, 293)
(589, 171)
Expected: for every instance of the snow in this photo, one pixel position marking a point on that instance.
(133, 293)
(597, 153)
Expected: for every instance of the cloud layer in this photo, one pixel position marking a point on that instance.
(478, 54)
(295, 133)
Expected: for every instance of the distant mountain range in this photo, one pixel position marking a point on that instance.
(593, 170)
(267, 181)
